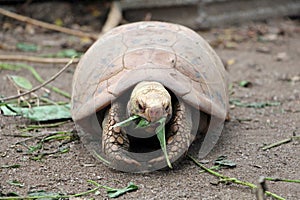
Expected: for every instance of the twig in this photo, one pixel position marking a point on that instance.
(36, 59)
(113, 19)
(233, 180)
(276, 144)
(47, 25)
(39, 86)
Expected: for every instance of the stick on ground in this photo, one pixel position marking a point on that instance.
(49, 26)
(39, 86)
(36, 59)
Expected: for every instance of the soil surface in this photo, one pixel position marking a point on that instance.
(267, 55)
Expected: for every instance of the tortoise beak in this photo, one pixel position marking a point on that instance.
(154, 113)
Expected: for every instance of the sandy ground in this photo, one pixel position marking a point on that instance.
(266, 55)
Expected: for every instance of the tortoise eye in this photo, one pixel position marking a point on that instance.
(141, 107)
(167, 108)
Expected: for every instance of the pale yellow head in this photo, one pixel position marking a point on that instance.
(150, 100)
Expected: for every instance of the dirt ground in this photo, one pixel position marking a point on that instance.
(265, 54)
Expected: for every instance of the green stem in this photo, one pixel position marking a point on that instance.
(282, 180)
(233, 180)
(102, 159)
(276, 144)
(268, 193)
(98, 185)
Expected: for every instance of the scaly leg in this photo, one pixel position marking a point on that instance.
(115, 143)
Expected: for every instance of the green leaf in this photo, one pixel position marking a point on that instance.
(143, 123)
(6, 111)
(113, 193)
(64, 149)
(8, 66)
(44, 195)
(27, 47)
(245, 83)
(16, 183)
(126, 122)
(32, 149)
(40, 113)
(21, 82)
(67, 53)
(160, 132)
(223, 161)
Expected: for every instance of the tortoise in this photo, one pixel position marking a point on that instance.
(152, 70)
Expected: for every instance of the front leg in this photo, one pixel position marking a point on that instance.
(115, 143)
(179, 135)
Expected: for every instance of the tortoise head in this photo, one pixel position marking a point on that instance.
(151, 101)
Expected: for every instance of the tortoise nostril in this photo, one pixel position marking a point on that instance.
(155, 113)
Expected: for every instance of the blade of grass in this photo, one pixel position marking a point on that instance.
(102, 159)
(276, 144)
(282, 180)
(116, 192)
(160, 132)
(61, 135)
(126, 122)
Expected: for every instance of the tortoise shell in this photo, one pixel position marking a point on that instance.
(171, 54)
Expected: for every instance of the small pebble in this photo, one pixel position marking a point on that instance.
(263, 49)
(282, 56)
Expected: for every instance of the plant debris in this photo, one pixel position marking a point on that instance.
(253, 104)
(27, 47)
(276, 144)
(41, 145)
(67, 53)
(38, 113)
(16, 183)
(114, 192)
(10, 166)
(245, 84)
(21, 82)
(224, 162)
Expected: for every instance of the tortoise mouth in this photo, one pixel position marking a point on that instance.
(146, 143)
